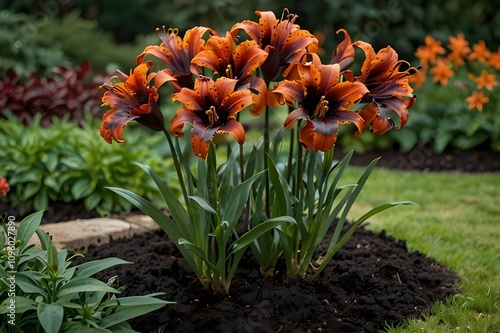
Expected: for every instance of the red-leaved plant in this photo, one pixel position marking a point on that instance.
(279, 195)
(65, 92)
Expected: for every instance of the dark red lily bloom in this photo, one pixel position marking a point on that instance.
(132, 99)
(344, 54)
(239, 63)
(323, 102)
(4, 187)
(386, 78)
(177, 53)
(282, 39)
(211, 109)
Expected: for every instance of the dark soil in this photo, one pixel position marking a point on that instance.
(423, 158)
(371, 282)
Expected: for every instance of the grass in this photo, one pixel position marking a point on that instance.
(458, 224)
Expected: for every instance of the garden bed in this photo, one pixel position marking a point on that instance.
(372, 281)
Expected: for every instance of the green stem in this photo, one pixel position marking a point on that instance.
(175, 157)
(290, 151)
(266, 153)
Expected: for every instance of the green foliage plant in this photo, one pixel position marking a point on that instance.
(48, 294)
(66, 163)
(283, 193)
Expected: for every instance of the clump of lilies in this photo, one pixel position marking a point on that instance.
(281, 194)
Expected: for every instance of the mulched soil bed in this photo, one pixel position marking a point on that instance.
(372, 281)
(422, 158)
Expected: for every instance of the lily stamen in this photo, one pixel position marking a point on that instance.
(321, 108)
(213, 118)
(229, 72)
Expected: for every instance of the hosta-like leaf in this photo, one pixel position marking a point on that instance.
(50, 316)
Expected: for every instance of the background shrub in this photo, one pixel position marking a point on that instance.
(66, 163)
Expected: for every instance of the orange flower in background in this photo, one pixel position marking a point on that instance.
(485, 80)
(239, 63)
(282, 39)
(477, 100)
(386, 78)
(4, 187)
(211, 109)
(428, 53)
(132, 99)
(460, 49)
(177, 53)
(442, 71)
(480, 52)
(419, 78)
(494, 60)
(323, 103)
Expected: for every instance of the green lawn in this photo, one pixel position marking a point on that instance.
(458, 224)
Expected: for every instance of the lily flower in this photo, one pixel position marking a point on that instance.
(344, 54)
(4, 187)
(177, 53)
(211, 109)
(239, 63)
(282, 39)
(132, 99)
(324, 102)
(387, 81)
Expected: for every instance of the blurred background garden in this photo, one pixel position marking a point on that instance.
(55, 53)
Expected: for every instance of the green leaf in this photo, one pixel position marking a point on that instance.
(92, 200)
(239, 197)
(90, 268)
(203, 203)
(175, 207)
(81, 188)
(27, 228)
(261, 228)
(170, 228)
(198, 251)
(84, 285)
(131, 307)
(41, 200)
(23, 304)
(50, 316)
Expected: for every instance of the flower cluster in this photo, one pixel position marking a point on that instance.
(291, 73)
(255, 198)
(480, 64)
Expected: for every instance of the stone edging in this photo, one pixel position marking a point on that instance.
(77, 235)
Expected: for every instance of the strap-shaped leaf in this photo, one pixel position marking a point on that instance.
(203, 203)
(335, 247)
(240, 196)
(251, 235)
(174, 205)
(169, 226)
(199, 252)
